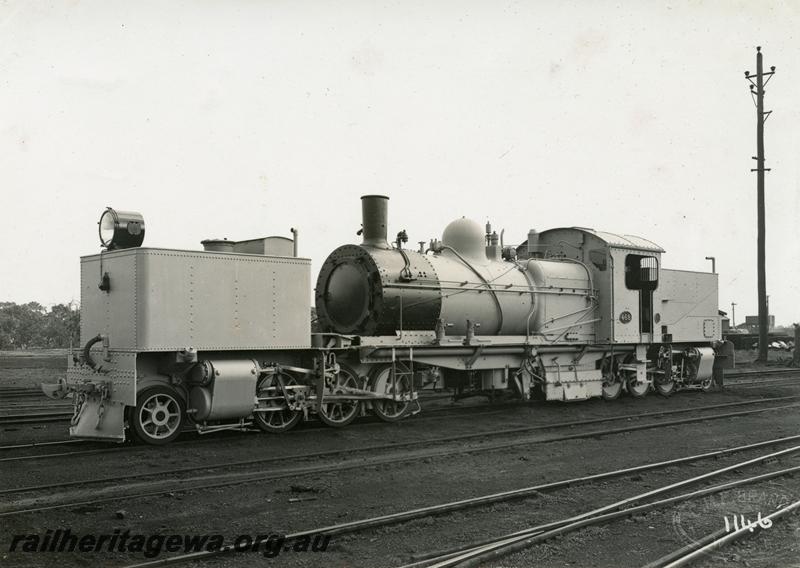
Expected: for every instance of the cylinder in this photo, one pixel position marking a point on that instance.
(374, 220)
(225, 389)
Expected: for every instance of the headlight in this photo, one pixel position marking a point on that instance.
(121, 229)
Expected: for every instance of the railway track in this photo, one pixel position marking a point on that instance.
(23, 405)
(716, 540)
(12, 393)
(762, 372)
(398, 453)
(35, 392)
(552, 425)
(65, 413)
(467, 555)
(34, 418)
(343, 465)
(472, 556)
(439, 413)
(764, 383)
(42, 444)
(33, 406)
(46, 413)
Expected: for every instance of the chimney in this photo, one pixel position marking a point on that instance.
(374, 217)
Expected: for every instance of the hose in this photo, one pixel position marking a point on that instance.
(87, 356)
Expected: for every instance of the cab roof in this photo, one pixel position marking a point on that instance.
(614, 239)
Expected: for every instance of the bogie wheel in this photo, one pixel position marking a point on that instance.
(635, 388)
(340, 412)
(664, 388)
(278, 417)
(707, 384)
(612, 380)
(663, 382)
(381, 383)
(612, 389)
(158, 416)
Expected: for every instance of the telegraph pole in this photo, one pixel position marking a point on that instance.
(757, 91)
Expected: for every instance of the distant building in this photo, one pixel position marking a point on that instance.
(726, 322)
(751, 323)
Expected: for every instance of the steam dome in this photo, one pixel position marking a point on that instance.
(467, 237)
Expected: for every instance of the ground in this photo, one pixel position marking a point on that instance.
(291, 492)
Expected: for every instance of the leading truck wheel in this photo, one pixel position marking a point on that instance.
(158, 416)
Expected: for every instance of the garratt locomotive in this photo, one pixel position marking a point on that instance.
(221, 338)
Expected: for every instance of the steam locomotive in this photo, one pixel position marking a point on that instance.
(221, 338)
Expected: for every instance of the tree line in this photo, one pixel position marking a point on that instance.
(31, 325)
(23, 326)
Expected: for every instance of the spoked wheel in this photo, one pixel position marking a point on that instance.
(158, 416)
(381, 382)
(278, 416)
(340, 412)
(612, 381)
(612, 389)
(635, 388)
(663, 382)
(706, 385)
(663, 387)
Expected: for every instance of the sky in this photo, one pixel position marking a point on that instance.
(243, 119)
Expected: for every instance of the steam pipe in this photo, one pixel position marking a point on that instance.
(294, 241)
(384, 352)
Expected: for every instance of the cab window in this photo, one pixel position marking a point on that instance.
(641, 272)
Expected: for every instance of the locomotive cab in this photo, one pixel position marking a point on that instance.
(661, 321)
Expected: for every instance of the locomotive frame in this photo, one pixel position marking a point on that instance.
(221, 338)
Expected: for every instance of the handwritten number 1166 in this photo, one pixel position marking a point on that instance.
(746, 524)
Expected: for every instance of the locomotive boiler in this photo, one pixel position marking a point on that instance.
(464, 282)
